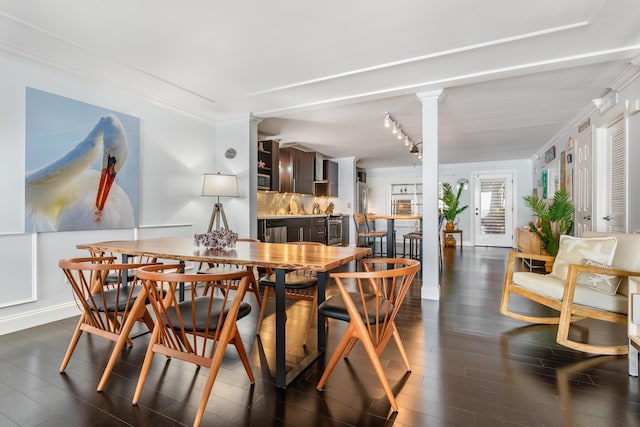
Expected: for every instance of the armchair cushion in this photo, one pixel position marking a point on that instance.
(626, 256)
(552, 287)
(573, 249)
(605, 283)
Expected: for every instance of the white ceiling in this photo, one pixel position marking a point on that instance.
(322, 74)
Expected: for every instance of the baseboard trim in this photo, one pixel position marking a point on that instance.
(39, 317)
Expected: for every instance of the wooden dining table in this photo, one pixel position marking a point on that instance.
(391, 222)
(280, 257)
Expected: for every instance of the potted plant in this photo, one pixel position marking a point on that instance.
(553, 220)
(452, 206)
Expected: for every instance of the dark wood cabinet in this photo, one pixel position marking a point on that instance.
(310, 229)
(318, 229)
(298, 229)
(297, 170)
(345, 230)
(268, 162)
(330, 186)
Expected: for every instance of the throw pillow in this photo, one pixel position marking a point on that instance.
(605, 283)
(573, 249)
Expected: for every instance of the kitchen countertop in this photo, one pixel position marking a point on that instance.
(296, 216)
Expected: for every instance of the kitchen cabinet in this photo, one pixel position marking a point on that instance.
(318, 229)
(345, 230)
(297, 170)
(329, 184)
(268, 165)
(293, 229)
(298, 229)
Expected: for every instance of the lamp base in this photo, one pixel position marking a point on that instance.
(218, 216)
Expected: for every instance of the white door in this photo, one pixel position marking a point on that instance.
(583, 185)
(616, 173)
(493, 205)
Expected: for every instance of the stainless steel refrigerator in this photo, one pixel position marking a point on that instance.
(361, 193)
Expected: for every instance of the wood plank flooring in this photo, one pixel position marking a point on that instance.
(471, 367)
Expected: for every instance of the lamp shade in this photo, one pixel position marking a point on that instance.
(220, 185)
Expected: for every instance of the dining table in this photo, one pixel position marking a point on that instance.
(391, 223)
(281, 257)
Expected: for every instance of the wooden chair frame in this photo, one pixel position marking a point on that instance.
(568, 310)
(230, 268)
(307, 293)
(388, 286)
(105, 304)
(203, 344)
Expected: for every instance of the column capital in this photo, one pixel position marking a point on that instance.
(438, 95)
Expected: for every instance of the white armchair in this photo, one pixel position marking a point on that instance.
(571, 289)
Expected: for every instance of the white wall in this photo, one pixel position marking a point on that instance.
(176, 149)
(379, 181)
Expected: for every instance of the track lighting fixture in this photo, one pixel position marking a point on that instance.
(401, 135)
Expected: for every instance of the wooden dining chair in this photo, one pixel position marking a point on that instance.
(370, 300)
(198, 329)
(210, 268)
(299, 285)
(131, 259)
(105, 304)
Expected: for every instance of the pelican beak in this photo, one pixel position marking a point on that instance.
(106, 181)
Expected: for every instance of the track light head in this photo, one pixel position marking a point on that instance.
(387, 120)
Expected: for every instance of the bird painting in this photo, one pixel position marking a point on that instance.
(67, 194)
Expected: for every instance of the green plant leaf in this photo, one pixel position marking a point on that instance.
(555, 219)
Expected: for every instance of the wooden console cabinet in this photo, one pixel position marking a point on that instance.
(528, 242)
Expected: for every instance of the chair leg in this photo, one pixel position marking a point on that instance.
(146, 365)
(253, 286)
(263, 308)
(360, 332)
(237, 341)
(226, 336)
(335, 357)
(400, 345)
(312, 315)
(72, 345)
(148, 320)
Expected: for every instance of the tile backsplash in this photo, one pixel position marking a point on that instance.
(272, 203)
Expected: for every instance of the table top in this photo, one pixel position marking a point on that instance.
(398, 216)
(258, 254)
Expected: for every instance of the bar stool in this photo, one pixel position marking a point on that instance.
(367, 237)
(415, 245)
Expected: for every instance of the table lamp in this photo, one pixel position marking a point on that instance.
(218, 185)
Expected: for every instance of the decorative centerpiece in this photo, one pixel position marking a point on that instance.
(217, 239)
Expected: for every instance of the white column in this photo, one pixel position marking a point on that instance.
(430, 249)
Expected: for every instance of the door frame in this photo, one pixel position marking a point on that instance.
(600, 178)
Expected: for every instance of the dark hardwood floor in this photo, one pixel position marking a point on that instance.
(471, 367)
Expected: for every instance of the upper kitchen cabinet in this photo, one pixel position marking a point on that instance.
(297, 170)
(268, 161)
(328, 183)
